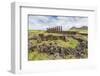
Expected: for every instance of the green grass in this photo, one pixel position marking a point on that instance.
(36, 31)
(79, 30)
(37, 56)
(43, 56)
(70, 42)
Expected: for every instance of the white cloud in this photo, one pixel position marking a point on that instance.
(42, 22)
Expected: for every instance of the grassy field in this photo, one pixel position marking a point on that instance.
(35, 55)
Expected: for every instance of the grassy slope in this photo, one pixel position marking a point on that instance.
(83, 29)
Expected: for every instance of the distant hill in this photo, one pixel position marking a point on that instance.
(83, 29)
(80, 28)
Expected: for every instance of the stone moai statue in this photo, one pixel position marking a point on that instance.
(48, 29)
(54, 29)
(61, 28)
(58, 28)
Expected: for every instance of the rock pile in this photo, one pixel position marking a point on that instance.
(53, 49)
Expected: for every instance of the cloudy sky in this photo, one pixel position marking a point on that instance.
(43, 22)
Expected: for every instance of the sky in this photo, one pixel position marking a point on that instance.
(43, 22)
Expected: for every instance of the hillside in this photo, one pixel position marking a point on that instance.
(83, 29)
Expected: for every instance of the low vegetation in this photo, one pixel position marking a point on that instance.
(56, 46)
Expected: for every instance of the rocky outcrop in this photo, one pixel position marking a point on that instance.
(52, 49)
